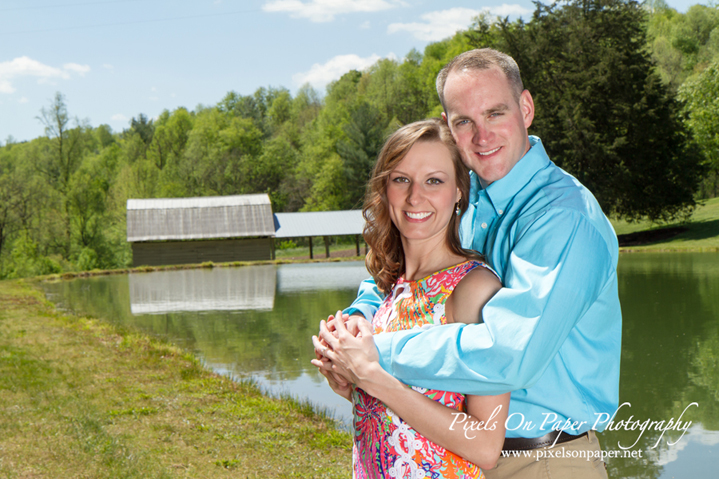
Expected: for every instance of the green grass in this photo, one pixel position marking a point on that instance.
(702, 231)
(83, 399)
(318, 251)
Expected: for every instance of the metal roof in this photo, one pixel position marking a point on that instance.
(319, 223)
(199, 218)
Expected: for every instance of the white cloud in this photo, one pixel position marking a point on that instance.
(320, 75)
(74, 67)
(6, 87)
(365, 25)
(119, 117)
(107, 66)
(445, 23)
(325, 10)
(27, 67)
(23, 100)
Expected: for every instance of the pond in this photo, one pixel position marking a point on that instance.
(256, 321)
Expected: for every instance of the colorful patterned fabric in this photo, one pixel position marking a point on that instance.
(384, 445)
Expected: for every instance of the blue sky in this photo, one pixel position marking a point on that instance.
(114, 59)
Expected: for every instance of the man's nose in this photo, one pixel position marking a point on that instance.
(482, 135)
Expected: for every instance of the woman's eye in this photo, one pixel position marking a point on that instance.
(400, 179)
(434, 181)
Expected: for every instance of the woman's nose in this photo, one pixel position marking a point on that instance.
(415, 194)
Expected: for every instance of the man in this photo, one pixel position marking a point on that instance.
(552, 334)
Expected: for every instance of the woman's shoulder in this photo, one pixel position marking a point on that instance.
(478, 275)
(480, 268)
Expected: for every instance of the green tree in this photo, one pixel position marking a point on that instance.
(365, 136)
(601, 110)
(143, 127)
(701, 100)
(682, 44)
(67, 145)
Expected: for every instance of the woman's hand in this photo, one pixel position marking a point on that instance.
(339, 384)
(353, 357)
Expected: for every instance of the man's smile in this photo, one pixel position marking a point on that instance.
(486, 153)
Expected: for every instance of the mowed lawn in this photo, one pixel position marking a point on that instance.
(80, 398)
(702, 231)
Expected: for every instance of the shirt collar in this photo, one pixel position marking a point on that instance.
(501, 192)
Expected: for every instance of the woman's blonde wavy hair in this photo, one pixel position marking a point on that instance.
(385, 258)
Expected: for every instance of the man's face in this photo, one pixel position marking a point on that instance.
(487, 122)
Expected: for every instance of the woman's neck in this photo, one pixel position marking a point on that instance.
(422, 258)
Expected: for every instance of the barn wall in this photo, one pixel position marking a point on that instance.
(185, 252)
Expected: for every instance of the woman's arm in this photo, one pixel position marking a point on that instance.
(440, 424)
(477, 435)
(470, 295)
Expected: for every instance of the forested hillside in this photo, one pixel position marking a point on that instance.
(627, 100)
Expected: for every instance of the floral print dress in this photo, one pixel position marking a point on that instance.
(384, 445)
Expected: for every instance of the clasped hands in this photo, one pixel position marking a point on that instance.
(345, 352)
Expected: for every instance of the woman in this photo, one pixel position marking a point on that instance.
(415, 197)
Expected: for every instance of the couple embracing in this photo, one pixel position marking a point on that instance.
(455, 360)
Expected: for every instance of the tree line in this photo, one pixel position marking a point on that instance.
(627, 100)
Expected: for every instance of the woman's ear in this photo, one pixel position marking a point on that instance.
(459, 195)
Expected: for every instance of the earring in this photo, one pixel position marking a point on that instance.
(457, 211)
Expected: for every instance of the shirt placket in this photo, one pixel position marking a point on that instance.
(483, 221)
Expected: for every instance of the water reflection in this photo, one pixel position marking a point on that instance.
(203, 290)
(256, 321)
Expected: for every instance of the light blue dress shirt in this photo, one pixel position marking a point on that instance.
(552, 334)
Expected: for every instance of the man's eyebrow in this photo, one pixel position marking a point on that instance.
(502, 107)
(497, 109)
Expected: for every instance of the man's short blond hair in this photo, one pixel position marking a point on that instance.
(481, 59)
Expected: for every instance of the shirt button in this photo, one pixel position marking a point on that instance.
(484, 226)
(501, 212)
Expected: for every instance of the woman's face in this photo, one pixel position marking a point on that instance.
(422, 192)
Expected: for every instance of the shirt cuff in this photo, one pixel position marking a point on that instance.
(363, 309)
(383, 342)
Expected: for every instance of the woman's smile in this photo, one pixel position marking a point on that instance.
(417, 216)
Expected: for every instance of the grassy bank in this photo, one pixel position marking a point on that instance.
(80, 398)
(701, 234)
(209, 264)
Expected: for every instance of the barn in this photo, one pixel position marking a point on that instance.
(166, 231)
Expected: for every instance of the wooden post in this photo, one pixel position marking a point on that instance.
(365, 248)
(311, 256)
(273, 247)
(326, 239)
(357, 244)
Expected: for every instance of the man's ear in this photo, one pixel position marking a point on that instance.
(526, 105)
(444, 117)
